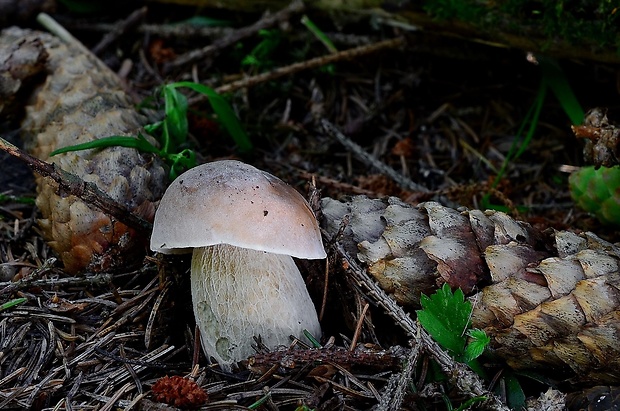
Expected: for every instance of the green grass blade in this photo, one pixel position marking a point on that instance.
(318, 33)
(555, 78)
(12, 303)
(4, 198)
(176, 115)
(225, 114)
(519, 145)
(315, 343)
(139, 143)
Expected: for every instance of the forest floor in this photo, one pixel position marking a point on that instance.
(443, 112)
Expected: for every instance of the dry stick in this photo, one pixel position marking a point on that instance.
(466, 381)
(361, 154)
(119, 29)
(219, 44)
(312, 63)
(358, 327)
(325, 290)
(398, 384)
(72, 184)
(176, 31)
(97, 280)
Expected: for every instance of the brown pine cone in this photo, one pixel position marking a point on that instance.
(179, 392)
(81, 101)
(549, 301)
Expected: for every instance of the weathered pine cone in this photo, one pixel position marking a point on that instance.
(80, 101)
(549, 301)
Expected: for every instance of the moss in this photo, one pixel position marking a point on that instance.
(578, 22)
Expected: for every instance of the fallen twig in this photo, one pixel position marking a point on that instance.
(10, 287)
(466, 381)
(397, 386)
(119, 29)
(219, 44)
(310, 64)
(290, 358)
(72, 184)
(368, 159)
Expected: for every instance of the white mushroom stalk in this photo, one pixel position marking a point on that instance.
(243, 225)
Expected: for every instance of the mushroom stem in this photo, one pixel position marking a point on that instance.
(239, 293)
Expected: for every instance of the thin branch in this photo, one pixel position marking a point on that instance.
(465, 379)
(85, 191)
(398, 384)
(368, 159)
(312, 63)
(119, 29)
(283, 15)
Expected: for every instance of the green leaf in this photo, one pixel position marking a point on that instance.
(446, 315)
(470, 402)
(13, 303)
(478, 343)
(555, 78)
(139, 143)
(176, 115)
(225, 113)
(515, 397)
(315, 343)
(259, 56)
(318, 33)
(179, 162)
(4, 198)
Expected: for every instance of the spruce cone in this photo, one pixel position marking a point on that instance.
(80, 101)
(547, 300)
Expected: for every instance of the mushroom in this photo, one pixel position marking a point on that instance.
(243, 225)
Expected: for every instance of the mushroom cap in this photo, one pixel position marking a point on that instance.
(230, 202)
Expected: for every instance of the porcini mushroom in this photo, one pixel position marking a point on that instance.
(243, 226)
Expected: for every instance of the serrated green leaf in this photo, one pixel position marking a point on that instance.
(478, 343)
(446, 315)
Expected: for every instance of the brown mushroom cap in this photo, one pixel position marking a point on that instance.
(230, 202)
